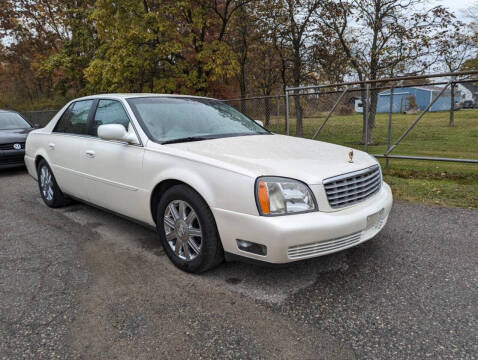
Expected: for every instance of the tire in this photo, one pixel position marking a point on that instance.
(49, 189)
(187, 230)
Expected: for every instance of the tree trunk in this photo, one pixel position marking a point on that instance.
(373, 108)
(242, 77)
(364, 100)
(299, 112)
(370, 110)
(242, 85)
(267, 111)
(284, 87)
(365, 133)
(296, 73)
(452, 106)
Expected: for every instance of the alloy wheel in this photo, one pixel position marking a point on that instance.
(46, 183)
(183, 230)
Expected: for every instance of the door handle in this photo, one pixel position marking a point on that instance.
(90, 153)
(51, 146)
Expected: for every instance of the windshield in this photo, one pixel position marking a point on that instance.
(11, 120)
(174, 119)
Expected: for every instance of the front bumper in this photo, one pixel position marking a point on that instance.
(11, 158)
(296, 237)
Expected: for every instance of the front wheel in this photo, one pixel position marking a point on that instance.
(187, 230)
(49, 190)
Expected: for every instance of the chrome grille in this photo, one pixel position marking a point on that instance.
(324, 247)
(10, 146)
(351, 188)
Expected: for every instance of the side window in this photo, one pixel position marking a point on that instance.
(75, 118)
(110, 112)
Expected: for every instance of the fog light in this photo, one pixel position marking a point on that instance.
(251, 247)
(375, 221)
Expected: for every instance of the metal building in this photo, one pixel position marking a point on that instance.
(408, 98)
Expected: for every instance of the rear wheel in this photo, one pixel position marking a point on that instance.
(188, 231)
(49, 190)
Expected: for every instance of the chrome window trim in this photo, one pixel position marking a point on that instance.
(89, 136)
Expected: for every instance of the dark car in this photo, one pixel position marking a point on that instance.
(14, 130)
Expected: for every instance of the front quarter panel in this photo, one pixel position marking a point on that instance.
(219, 187)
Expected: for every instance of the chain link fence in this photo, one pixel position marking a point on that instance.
(377, 116)
(40, 117)
(337, 113)
(268, 109)
(312, 106)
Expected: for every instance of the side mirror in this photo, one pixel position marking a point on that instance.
(259, 122)
(116, 132)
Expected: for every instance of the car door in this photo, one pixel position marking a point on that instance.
(66, 148)
(114, 168)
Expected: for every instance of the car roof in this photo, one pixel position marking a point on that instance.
(137, 95)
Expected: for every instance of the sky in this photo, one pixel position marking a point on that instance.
(456, 6)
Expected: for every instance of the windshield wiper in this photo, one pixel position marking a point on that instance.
(186, 139)
(209, 137)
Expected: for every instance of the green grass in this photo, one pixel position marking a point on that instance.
(429, 182)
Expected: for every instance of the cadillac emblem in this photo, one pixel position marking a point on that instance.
(17, 146)
(351, 156)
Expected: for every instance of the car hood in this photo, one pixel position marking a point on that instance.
(278, 155)
(15, 135)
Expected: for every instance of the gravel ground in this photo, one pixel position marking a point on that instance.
(80, 283)
(410, 293)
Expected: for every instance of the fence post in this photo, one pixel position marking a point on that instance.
(287, 110)
(367, 110)
(278, 113)
(389, 130)
(452, 105)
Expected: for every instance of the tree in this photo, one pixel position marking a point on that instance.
(136, 47)
(68, 48)
(244, 33)
(472, 14)
(205, 25)
(252, 36)
(162, 46)
(381, 37)
(31, 32)
(294, 22)
(264, 72)
(77, 51)
(455, 47)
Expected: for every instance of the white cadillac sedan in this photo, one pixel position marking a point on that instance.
(214, 183)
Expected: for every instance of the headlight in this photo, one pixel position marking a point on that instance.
(282, 196)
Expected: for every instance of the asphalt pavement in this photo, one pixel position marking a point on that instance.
(80, 283)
